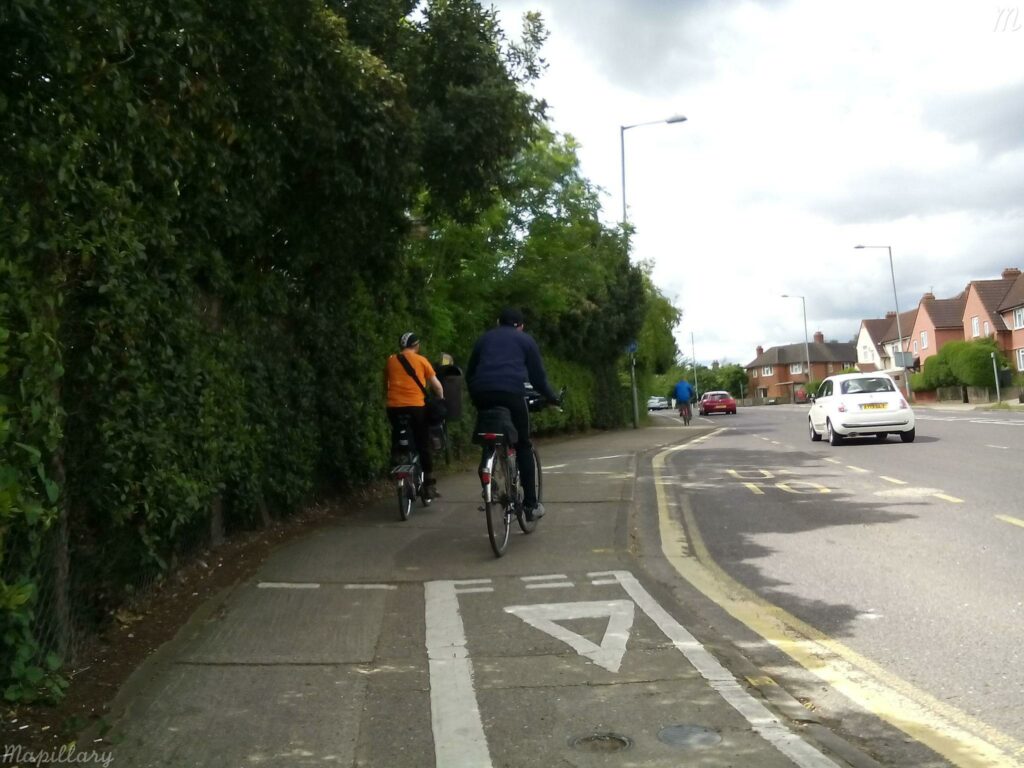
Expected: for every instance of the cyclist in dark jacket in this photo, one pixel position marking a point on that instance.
(503, 360)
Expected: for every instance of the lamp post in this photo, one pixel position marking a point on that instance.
(622, 158)
(622, 152)
(696, 385)
(899, 330)
(807, 346)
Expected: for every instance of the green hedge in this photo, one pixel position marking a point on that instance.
(211, 235)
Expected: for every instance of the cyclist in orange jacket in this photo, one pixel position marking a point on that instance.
(404, 388)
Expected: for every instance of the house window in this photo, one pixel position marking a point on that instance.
(1018, 318)
(754, 373)
(915, 346)
(830, 368)
(796, 368)
(767, 370)
(988, 329)
(975, 326)
(924, 339)
(1020, 359)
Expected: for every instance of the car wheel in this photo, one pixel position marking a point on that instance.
(908, 437)
(834, 438)
(815, 435)
(881, 436)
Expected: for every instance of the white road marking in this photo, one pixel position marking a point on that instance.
(458, 730)
(555, 581)
(469, 585)
(767, 725)
(893, 480)
(287, 585)
(1000, 447)
(371, 586)
(613, 645)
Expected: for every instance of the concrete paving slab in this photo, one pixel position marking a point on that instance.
(202, 716)
(326, 625)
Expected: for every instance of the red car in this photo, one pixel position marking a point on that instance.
(716, 402)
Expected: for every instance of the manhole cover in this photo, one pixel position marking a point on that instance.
(689, 736)
(601, 743)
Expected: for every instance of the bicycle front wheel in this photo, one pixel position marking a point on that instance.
(498, 522)
(529, 526)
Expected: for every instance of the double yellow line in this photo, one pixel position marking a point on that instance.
(956, 736)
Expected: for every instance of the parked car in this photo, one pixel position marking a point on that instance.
(716, 402)
(859, 405)
(655, 403)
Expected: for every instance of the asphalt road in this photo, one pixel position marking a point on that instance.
(906, 555)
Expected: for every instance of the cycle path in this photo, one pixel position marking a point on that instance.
(377, 642)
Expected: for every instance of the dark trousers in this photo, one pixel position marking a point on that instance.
(420, 432)
(524, 448)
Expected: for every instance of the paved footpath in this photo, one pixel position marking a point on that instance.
(378, 642)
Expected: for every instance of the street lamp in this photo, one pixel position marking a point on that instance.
(622, 151)
(807, 346)
(696, 385)
(622, 157)
(899, 330)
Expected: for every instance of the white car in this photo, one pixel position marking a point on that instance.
(656, 403)
(857, 405)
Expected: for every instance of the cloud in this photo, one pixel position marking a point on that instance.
(991, 120)
(650, 46)
(890, 194)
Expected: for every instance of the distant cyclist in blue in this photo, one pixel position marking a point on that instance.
(684, 394)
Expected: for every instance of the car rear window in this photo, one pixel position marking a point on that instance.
(867, 385)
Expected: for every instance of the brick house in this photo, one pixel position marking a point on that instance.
(1011, 309)
(775, 373)
(985, 308)
(879, 340)
(939, 321)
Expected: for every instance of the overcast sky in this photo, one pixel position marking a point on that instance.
(812, 126)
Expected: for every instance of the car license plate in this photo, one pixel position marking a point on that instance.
(872, 406)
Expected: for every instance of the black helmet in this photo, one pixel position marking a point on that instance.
(510, 316)
(408, 339)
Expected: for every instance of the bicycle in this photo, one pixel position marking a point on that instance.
(686, 413)
(407, 471)
(499, 472)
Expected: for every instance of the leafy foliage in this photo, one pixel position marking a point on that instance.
(215, 220)
(961, 363)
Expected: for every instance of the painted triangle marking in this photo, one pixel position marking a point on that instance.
(613, 645)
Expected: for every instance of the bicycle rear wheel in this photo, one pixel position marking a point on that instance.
(405, 498)
(529, 526)
(499, 524)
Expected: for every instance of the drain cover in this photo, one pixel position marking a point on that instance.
(601, 743)
(689, 736)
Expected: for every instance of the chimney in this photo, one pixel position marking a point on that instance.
(890, 315)
(760, 350)
(819, 337)
(1011, 272)
(928, 297)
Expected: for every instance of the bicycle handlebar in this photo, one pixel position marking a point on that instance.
(535, 401)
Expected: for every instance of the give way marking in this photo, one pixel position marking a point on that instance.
(456, 723)
(613, 645)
